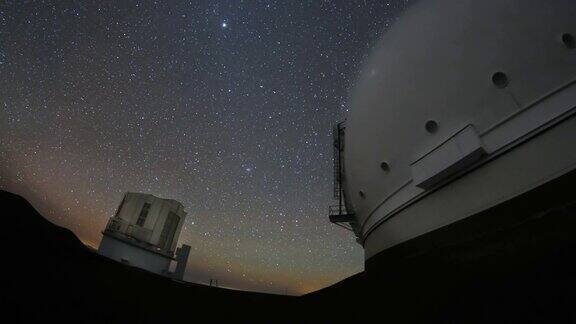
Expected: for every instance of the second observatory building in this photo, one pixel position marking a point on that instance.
(144, 233)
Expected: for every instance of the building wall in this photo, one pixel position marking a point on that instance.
(181, 258)
(158, 213)
(164, 207)
(135, 256)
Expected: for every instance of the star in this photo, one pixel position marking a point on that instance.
(236, 125)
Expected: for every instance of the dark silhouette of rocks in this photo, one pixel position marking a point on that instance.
(512, 263)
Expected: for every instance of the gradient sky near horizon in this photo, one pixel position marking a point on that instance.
(226, 106)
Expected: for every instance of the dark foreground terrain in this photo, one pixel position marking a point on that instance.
(513, 263)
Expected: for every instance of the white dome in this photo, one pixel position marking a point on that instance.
(448, 68)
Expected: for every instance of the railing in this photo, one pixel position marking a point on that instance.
(338, 141)
(338, 213)
(139, 233)
(134, 234)
(336, 210)
(115, 225)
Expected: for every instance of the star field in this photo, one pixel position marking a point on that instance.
(226, 106)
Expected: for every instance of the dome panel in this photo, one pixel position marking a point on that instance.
(457, 64)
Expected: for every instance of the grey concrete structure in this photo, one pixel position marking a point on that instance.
(182, 254)
(463, 106)
(130, 253)
(144, 232)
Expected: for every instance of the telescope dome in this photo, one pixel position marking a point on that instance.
(452, 87)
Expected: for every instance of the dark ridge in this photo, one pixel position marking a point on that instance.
(511, 263)
(51, 276)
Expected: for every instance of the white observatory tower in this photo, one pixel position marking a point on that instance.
(144, 233)
(463, 106)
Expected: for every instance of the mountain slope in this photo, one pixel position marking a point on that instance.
(52, 275)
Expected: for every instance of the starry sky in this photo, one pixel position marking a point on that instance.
(226, 106)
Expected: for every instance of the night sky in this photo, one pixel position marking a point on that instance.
(226, 106)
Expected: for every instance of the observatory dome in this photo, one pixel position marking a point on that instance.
(448, 115)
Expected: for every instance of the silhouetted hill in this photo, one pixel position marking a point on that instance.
(511, 263)
(51, 276)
